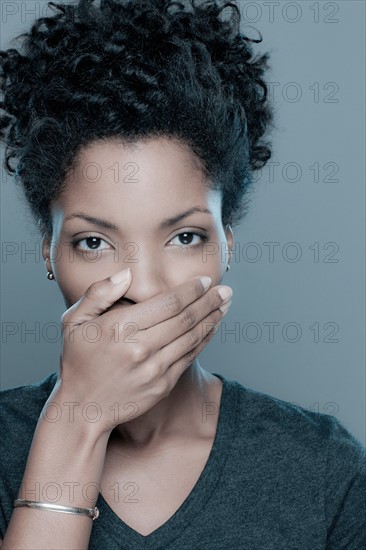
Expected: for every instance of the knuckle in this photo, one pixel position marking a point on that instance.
(69, 314)
(190, 356)
(65, 318)
(154, 372)
(216, 316)
(214, 299)
(68, 322)
(213, 326)
(209, 335)
(193, 338)
(188, 318)
(165, 387)
(211, 319)
(173, 303)
(139, 354)
(148, 308)
(94, 291)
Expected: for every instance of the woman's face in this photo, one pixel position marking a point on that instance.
(137, 190)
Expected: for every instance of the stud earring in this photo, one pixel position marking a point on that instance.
(50, 275)
(228, 267)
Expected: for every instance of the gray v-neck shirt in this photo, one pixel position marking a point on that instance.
(278, 477)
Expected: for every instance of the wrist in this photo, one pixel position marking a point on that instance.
(65, 464)
(65, 412)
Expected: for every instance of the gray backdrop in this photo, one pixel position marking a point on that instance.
(296, 328)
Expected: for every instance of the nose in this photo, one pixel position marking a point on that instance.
(148, 279)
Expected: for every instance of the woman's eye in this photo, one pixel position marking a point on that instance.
(187, 237)
(91, 242)
(186, 241)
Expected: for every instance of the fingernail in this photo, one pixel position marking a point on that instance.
(225, 292)
(121, 276)
(206, 281)
(225, 308)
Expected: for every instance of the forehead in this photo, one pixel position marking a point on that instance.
(145, 179)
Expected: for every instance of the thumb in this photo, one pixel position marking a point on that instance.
(98, 297)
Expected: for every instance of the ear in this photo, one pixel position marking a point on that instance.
(46, 247)
(230, 240)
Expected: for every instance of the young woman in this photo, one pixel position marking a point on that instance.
(137, 126)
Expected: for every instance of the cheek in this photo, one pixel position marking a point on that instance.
(70, 292)
(214, 260)
(73, 274)
(216, 272)
(209, 264)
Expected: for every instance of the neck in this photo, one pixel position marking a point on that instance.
(180, 414)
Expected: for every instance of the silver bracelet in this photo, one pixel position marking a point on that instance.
(90, 512)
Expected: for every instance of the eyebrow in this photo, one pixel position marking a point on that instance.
(164, 224)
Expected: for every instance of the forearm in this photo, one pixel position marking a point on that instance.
(65, 465)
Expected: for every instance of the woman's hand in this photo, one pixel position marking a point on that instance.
(115, 365)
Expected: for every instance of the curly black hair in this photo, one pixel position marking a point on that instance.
(130, 70)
